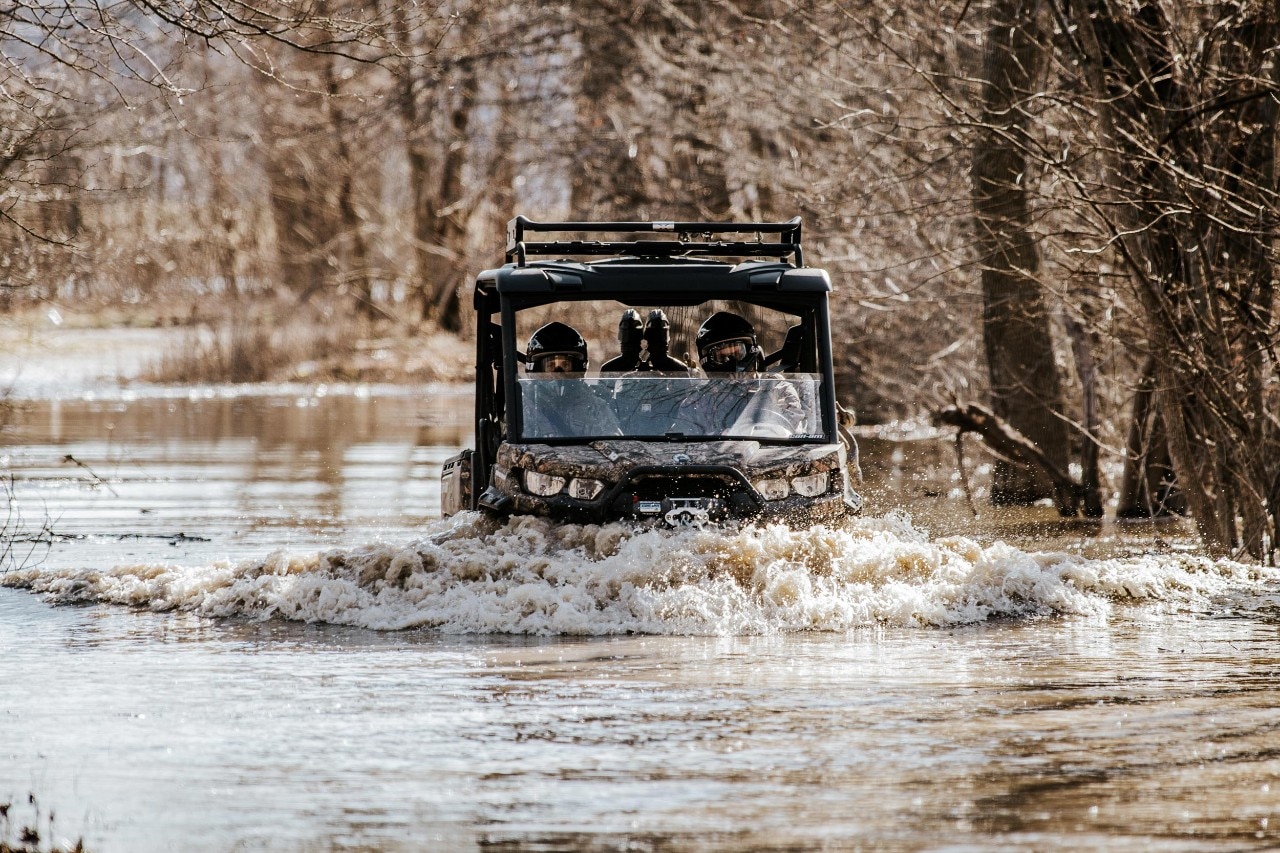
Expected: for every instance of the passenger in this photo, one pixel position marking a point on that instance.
(728, 350)
(630, 337)
(565, 407)
(647, 399)
(657, 339)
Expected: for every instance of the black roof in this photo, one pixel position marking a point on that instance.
(690, 239)
(640, 282)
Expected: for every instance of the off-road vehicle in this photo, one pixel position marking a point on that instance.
(715, 400)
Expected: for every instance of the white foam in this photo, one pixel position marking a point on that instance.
(531, 576)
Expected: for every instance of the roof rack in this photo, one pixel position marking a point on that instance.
(788, 242)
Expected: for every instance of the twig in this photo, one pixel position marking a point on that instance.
(13, 531)
(964, 475)
(92, 473)
(1003, 438)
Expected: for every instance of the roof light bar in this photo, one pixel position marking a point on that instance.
(788, 242)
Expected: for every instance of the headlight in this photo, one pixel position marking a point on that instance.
(811, 486)
(584, 489)
(545, 485)
(772, 490)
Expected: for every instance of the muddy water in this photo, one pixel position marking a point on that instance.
(250, 630)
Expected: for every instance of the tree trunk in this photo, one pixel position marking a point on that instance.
(299, 214)
(1086, 369)
(607, 182)
(450, 213)
(436, 155)
(355, 261)
(1025, 385)
(1146, 485)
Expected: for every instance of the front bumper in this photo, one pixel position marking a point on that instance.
(675, 495)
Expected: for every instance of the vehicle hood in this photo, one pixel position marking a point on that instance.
(612, 459)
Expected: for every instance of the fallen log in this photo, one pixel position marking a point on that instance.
(1006, 441)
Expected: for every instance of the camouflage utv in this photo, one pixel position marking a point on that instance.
(694, 416)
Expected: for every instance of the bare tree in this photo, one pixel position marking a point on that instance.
(1188, 125)
(1025, 386)
(67, 67)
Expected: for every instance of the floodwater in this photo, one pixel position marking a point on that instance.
(242, 626)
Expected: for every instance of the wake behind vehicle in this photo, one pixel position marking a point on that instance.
(715, 401)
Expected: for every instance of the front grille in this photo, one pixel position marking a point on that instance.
(657, 487)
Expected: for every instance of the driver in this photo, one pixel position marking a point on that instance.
(728, 350)
(565, 407)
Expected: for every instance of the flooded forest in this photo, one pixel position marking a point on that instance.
(1061, 212)
(239, 245)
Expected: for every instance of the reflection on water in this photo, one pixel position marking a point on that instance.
(201, 475)
(756, 690)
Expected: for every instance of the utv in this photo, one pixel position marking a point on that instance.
(677, 426)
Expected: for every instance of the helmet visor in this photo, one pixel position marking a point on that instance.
(726, 353)
(557, 362)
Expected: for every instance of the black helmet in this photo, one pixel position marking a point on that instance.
(657, 332)
(556, 339)
(727, 344)
(630, 331)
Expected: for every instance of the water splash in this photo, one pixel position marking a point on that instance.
(530, 576)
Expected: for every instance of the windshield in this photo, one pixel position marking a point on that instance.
(753, 406)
